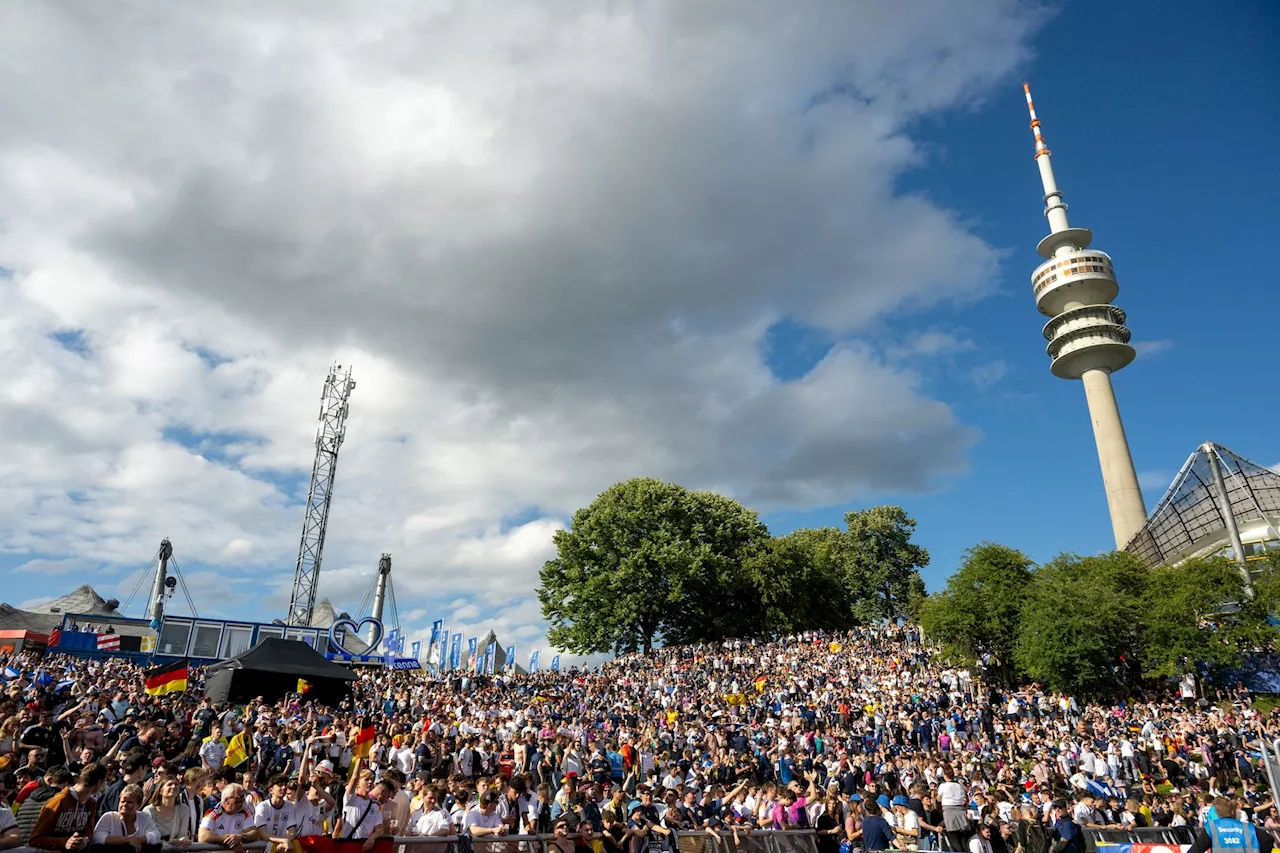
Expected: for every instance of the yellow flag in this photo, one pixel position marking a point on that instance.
(734, 699)
(303, 685)
(238, 749)
(835, 647)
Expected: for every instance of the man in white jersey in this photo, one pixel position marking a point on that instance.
(275, 818)
(230, 823)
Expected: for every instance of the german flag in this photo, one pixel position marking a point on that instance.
(363, 743)
(760, 682)
(170, 678)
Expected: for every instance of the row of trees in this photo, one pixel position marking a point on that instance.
(1097, 625)
(650, 561)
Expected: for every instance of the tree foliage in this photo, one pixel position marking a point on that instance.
(641, 563)
(980, 611)
(1080, 625)
(883, 564)
(649, 561)
(1197, 612)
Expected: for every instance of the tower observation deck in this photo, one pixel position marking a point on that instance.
(1087, 335)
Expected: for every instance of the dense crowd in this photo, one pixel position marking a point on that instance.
(861, 737)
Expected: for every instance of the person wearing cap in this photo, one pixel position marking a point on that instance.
(906, 825)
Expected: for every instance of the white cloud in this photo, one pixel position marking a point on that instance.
(1148, 348)
(551, 242)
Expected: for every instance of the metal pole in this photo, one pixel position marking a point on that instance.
(157, 592)
(380, 591)
(1228, 516)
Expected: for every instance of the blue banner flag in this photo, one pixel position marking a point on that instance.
(417, 650)
(511, 659)
(442, 651)
(471, 653)
(555, 663)
(533, 660)
(455, 651)
(490, 657)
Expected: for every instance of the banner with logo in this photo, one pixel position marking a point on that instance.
(455, 652)
(555, 663)
(417, 650)
(511, 659)
(533, 660)
(471, 653)
(490, 657)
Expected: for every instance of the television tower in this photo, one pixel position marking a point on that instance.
(333, 428)
(1088, 339)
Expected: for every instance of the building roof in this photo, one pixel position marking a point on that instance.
(1189, 521)
(47, 616)
(84, 599)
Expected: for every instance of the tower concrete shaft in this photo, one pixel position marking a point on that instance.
(1087, 335)
(380, 591)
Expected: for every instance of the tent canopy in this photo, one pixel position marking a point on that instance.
(272, 669)
(286, 657)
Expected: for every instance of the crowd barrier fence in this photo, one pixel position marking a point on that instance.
(789, 841)
(1168, 835)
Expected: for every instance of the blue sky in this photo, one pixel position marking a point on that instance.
(557, 273)
(1159, 116)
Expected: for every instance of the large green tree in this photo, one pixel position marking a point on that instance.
(883, 564)
(1081, 623)
(796, 583)
(648, 560)
(1197, 611)
(980, 611)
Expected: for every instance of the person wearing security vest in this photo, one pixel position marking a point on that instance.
(1224, 833)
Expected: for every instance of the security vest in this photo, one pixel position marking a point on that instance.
(1232, 836)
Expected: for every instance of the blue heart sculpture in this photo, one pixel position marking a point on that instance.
(339, 629)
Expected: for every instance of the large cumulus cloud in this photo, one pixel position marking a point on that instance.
(552, 237)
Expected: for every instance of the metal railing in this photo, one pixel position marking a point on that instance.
(698, 841)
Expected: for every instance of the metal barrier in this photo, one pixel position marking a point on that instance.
(724, 841)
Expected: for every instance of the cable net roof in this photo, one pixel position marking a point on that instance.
(1189, 516)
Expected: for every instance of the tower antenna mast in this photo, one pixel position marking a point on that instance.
(1088, 338)
(334, 403)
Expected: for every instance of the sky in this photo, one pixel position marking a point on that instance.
(781, 251)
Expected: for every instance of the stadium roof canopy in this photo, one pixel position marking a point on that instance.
(1188, 521)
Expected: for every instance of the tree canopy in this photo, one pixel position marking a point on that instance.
(649, 561)
(979, 613)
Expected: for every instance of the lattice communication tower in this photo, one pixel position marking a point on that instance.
(334, 403)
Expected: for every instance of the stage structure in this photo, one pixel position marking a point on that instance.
(334, 407)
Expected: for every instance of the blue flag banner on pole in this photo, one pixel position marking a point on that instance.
(417, 650)
(471, 653)
(533, 660)
(511, 659)
(433, 646)
(455, 651)
(555, 663)
(442, 650)
(490, 657)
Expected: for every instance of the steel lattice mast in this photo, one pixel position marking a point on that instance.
(333, 427)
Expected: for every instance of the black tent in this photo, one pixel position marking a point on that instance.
(272, 669)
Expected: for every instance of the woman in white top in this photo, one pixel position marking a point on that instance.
(127, 826)
(172, 818)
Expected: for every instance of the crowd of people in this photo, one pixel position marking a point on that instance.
(862, 738)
